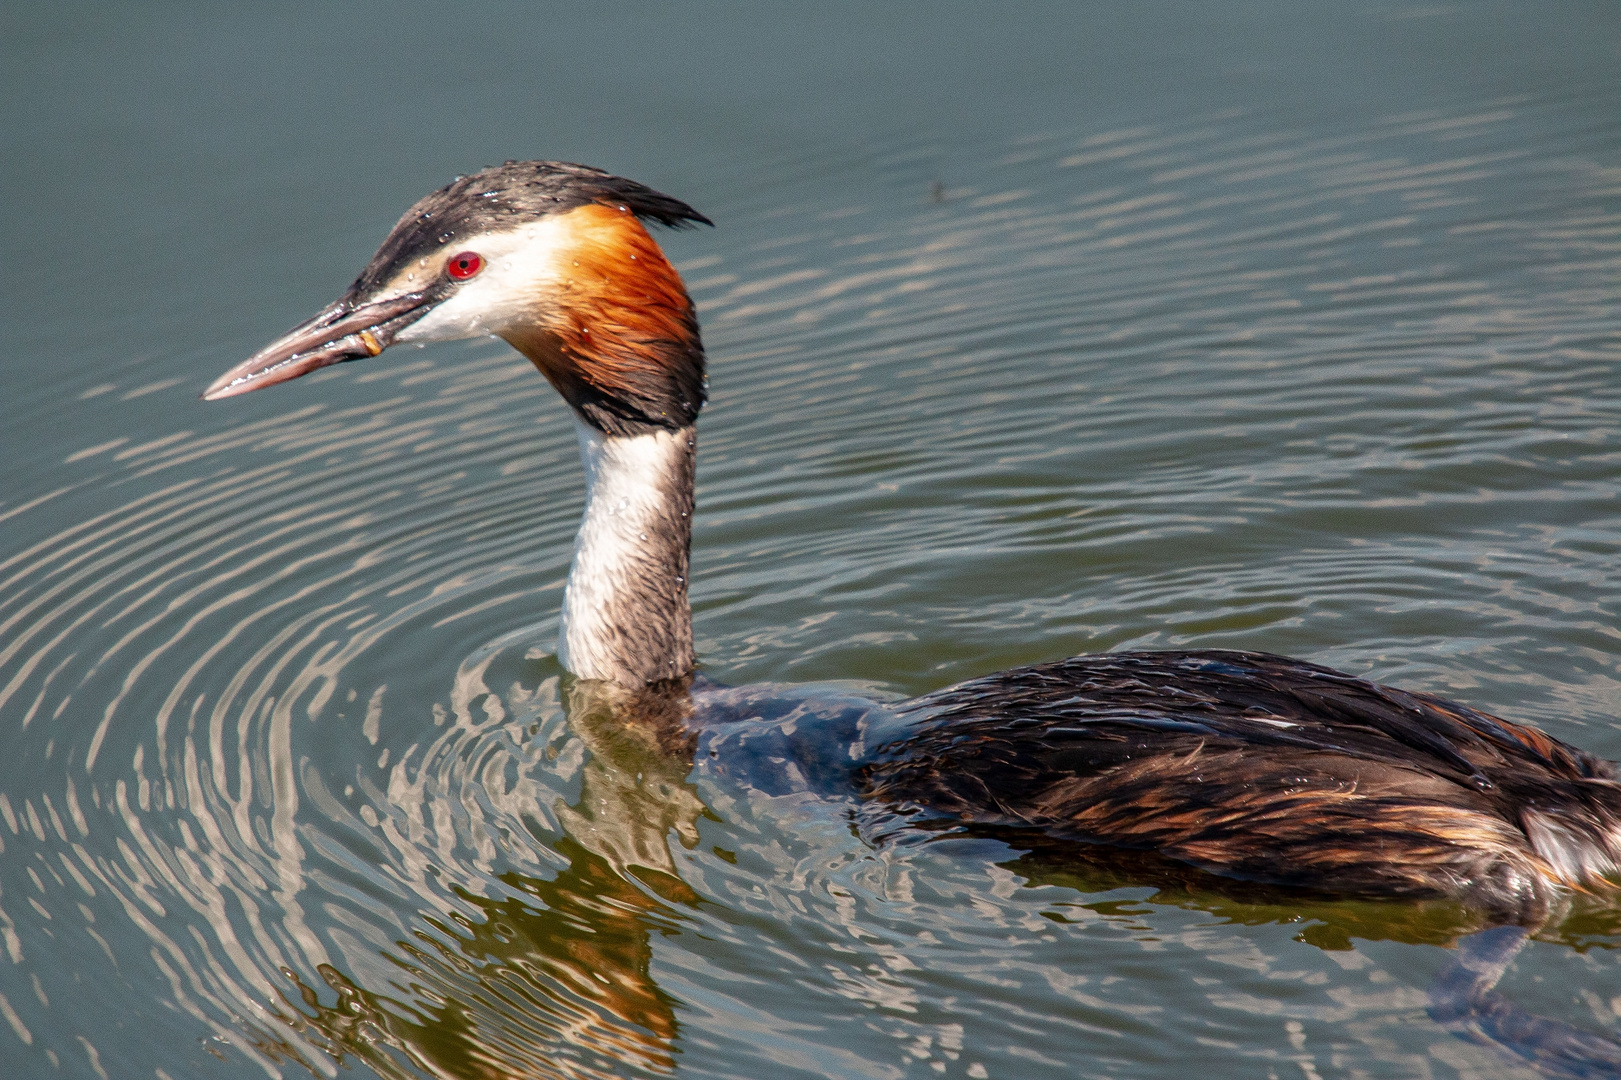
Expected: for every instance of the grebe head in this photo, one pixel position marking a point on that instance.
(554, 258)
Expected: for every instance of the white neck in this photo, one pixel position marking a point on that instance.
(625, 613)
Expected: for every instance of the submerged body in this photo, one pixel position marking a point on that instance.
(1242, 764)
(1269, 769)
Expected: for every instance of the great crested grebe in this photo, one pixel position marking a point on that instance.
(1243, 764)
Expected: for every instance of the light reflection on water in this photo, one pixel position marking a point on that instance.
(292, 781)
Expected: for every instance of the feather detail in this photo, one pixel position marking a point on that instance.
(1265, 768)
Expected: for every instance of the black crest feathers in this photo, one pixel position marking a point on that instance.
(508, 195)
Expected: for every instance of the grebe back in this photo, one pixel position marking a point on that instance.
(1242, 764)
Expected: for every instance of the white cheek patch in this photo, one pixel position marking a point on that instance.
(519, 267)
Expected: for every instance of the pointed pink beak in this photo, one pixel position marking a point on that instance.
(340, 332)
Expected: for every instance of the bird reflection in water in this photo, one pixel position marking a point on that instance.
(554, 982)
(1463, 998)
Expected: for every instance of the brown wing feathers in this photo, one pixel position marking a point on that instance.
(1267, 768)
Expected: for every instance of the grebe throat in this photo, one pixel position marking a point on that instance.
(625, 615)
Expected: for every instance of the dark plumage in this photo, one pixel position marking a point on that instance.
(1265, 768)
(507, 195)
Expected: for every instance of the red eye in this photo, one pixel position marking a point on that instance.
(463, 266)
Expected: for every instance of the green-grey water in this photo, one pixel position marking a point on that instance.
(1032, 331)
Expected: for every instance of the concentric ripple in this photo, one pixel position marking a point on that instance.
(293, 786)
